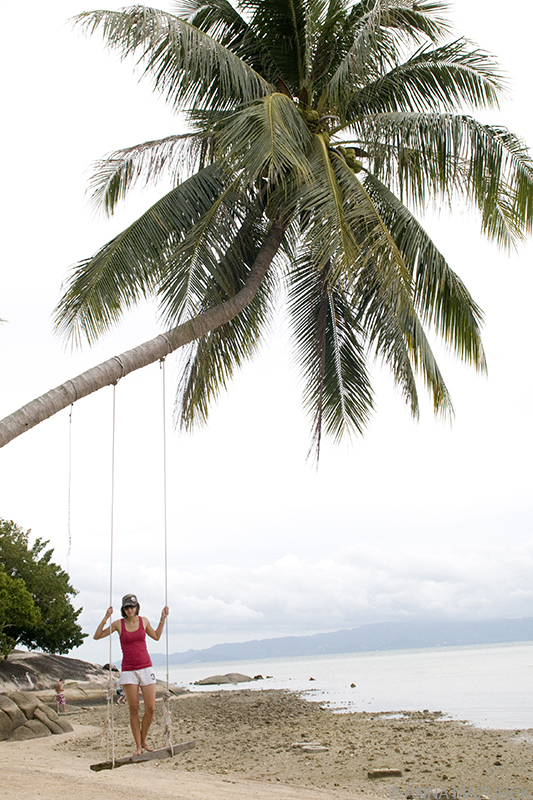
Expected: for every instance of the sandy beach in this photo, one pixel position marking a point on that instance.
(245, 749)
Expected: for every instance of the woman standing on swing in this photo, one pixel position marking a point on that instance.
(137, 669)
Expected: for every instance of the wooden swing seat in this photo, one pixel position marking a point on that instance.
(148, 755)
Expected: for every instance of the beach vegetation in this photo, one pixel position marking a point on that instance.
(36, 610)
(17, 610)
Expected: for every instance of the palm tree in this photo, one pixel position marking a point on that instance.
(316, 132)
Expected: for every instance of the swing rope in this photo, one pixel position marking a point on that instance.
(110, 729)
(166, 698)
(69, 532)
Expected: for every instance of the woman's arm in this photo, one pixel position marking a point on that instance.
(101, 632)
(159, 630)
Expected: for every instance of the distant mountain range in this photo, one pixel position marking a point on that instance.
(376, 636)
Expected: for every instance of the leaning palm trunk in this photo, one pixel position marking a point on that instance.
(112, 370)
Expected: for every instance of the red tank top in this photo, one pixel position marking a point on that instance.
(134, 651)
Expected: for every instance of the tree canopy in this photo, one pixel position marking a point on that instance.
(17, 610)
(317, 134)
(35, 605)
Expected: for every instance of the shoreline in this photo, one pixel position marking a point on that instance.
(246, 738)
(467, 682)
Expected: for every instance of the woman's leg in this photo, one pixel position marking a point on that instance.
(132, 693)
(149, 711)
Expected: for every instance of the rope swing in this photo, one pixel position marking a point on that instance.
(109, 727)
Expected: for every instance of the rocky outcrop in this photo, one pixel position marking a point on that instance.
(24, 716)
(85, 685)
(39, 671)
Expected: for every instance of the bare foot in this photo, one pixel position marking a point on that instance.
(147, 747)
(138, 752)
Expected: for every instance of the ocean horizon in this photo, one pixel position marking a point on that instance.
(486, 685)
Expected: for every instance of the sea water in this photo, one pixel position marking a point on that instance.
(487, 685)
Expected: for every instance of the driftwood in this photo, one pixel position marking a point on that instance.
(149, 755)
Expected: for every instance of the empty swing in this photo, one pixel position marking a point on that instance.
(171, 749)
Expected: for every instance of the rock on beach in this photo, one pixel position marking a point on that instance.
(27, 694)
(229, 677)
(23, 671)
(24, 716)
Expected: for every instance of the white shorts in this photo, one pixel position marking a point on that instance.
(141, 677)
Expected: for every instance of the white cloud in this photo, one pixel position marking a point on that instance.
(351, 587)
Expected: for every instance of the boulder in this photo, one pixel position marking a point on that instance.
(24, 716)
(9, 707)
(32, 729)
(52, 725)
(213, 680)
(238, 677)
(177, 691)
(230, 677)
(5, 726)
(26, 701)
(56, 720)
(51, 713)
(40, 671)
(22, 734)
(64, 724)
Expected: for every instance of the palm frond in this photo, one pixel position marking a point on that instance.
(129, 267)
(379, 32)
(205, 266)
(438, 78)
(502, 179)
(187, 66)
(330, 39)
(343, 235)
(223, 22)
(358, 233)
(439, 294)
(330, 349)
(420, 155)
(289, 46)
(386, 312)
(326, 225)
(210, 362)
(265, 140)
(371, 52)
(421, 19)
(383, 292)
(374, 277)
(116, 174)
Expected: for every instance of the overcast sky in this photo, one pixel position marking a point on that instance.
(425, 520)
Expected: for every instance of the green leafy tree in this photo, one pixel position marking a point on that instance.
(317, 132)
(46, 618)
(17, 611)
